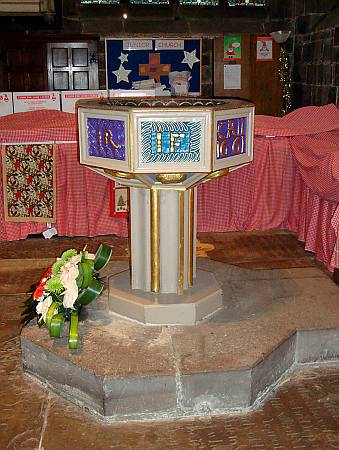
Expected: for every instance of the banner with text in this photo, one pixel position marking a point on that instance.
(69, 98)
(32, 101)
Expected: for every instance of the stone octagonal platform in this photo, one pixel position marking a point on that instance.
(201, 300)
(271, 322)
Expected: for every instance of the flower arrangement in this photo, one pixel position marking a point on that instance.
(71, 283)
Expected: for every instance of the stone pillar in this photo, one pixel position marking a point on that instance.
(140, 239)
(163, 239)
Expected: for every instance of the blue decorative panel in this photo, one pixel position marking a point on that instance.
(106, 138)
(231, 137)
(170, 142)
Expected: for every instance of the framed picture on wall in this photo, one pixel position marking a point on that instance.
(170, 66)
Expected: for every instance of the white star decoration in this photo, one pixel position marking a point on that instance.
(123, 57)
(122, 74)
(190, 58)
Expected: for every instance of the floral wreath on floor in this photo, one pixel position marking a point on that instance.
(71, 283)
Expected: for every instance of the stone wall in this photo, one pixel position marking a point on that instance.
(313, 48)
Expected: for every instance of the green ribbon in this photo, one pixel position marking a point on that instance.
(87, 273)
(50, 313)
(91, 292)
(56, 325)
(83, 255)
(73, 331)
(102, 256)
(80, 277)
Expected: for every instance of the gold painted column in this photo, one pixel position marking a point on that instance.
(191, 237)
(155, 241)
(182, 233)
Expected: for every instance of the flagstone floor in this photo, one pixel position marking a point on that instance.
(303, 413)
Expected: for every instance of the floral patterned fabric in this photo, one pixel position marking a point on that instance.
(29, 182)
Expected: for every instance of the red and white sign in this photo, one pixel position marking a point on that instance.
(32, 101)
(6, 103)
(69, 98)
(264, 48)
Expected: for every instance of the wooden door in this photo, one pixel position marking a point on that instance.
(24, 67)
(266, 90)
(259, 79)
(72, 65)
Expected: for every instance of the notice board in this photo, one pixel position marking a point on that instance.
(134, 59)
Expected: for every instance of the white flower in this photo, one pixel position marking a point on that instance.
(42, 307)
(68, 275)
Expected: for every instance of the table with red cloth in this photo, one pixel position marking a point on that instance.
(82, 196)
(293, 182)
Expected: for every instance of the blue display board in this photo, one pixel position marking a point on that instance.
(131, 60)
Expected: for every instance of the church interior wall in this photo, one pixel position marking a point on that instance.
(313, 47)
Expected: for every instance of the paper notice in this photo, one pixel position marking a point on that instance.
(232, 76)
(6, 103)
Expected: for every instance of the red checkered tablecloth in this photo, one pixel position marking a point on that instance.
(82, 202)
(82, 195)
(271, 192)
(38, 126)
(301, 122)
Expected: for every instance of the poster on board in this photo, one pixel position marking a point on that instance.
(264, 48)
(232, 47)
(6, 103)
(168, 65)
